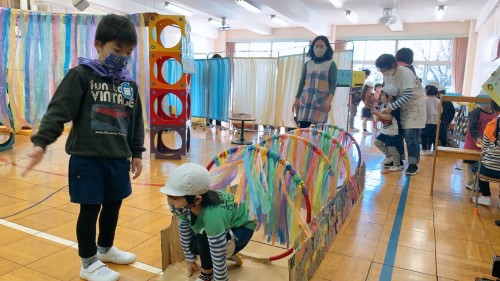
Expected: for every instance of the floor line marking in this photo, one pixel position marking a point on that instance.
(69, 243)
(392, 246)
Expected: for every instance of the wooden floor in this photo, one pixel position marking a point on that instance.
(439, 237)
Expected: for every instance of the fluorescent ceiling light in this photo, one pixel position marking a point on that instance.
(178, 9)
(279, 20)
(440, 12)
(352, 16)
(337, 3)
(442, 1)
(248, 6)
(215, 22)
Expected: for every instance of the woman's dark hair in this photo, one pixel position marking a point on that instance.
(216, 56)
(377, 85)
(494, 106)
(210, 198)
(386, 61)
(329, 50)
(116, 28)
(405, 55)
(431, 91)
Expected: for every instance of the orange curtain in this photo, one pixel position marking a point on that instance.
(458, 56)
(10, 4)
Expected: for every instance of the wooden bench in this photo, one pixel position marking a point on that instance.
(451, 152)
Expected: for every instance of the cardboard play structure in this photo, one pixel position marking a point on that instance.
(308, 248)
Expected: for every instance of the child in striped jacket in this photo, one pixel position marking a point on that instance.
(212, 225)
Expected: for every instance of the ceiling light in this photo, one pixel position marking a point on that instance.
(442, 1)
(337, 3)
(440, 12)
(215, 22)
(248, 6)
(178, 9)
(279, 20)
(352, 16)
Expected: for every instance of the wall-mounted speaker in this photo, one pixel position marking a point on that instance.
(81, 4)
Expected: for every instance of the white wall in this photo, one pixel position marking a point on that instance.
(202, 44)
(483, 64)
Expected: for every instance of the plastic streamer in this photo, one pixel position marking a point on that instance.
(14, 105)
(312, 164)
(38, 50)
(4, 41)
(268, 184)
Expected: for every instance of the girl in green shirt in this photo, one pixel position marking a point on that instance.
(212, 225)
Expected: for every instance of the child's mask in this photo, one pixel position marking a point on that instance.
(179, 211)
(116, 62)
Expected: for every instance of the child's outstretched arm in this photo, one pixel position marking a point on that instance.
(63, 107)
(218, 246)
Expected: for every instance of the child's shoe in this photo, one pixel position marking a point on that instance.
(237, 259)
(116, 256)
(482, 200)
(365, 132)
(469, 185)
(98, 271)
(204, 277)
(387, 160)
(394, 169)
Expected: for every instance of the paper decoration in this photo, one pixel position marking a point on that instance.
(492, 86)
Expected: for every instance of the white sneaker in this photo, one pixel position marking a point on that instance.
(482, 200)
(116, 256)
(387, 160)
(98, 271)
(394, 168)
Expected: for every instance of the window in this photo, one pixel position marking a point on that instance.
(431, 58)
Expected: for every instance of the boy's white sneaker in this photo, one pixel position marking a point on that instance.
(116, 256)
(482, 200)
(98, 271)
(387, 160)
(395, 168)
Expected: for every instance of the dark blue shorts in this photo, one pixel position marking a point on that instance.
(94, 180)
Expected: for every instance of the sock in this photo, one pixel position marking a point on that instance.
(103, 250)
(205, 276)
(86, 262)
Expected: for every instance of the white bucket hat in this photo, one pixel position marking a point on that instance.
(390, 89)
(187, 179)
(437, 85)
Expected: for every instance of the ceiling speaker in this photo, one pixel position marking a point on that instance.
(81, 4)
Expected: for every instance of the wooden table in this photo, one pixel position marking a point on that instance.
(242, 140)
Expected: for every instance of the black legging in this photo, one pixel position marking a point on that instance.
(86, 227)
(199, 245)
(304, 124)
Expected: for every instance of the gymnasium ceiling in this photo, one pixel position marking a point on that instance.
(316, 16)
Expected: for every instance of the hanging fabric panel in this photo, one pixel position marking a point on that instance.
(244, 86)
(254, 90)
(289, 70)
(340, 106)
(199, 99)
(219, 90)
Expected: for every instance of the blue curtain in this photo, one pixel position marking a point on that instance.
(219, 90)
(199, 89)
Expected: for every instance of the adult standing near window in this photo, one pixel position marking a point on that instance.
(411, 100)
(317, 84)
